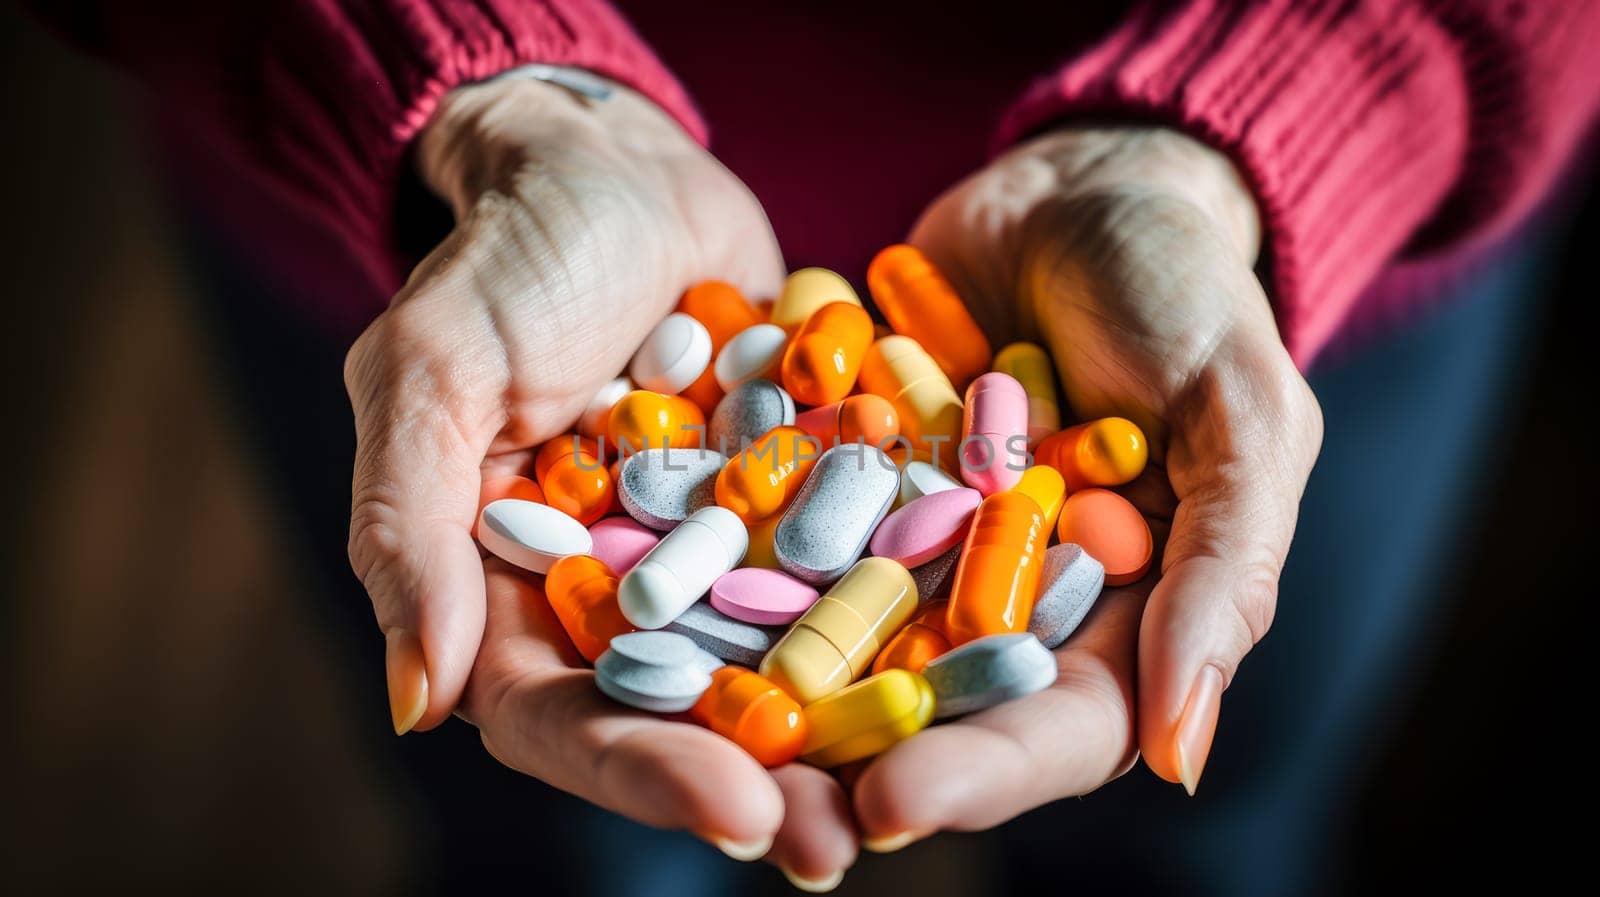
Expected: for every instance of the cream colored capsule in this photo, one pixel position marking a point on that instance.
(837, 638)
(930, 410)
(807, 290)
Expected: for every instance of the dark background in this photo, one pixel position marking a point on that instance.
(176, 715)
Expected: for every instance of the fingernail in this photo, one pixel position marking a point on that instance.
(813, 885)
(1197, 725)
(743, 851)
(888, 843)
(408, 679)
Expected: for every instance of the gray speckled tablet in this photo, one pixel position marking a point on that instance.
(841, 503)
(724, 637)
(1071, 582)
(933, 578)
(747, 413)
(661, 672)
(661, 487)
(989, 671)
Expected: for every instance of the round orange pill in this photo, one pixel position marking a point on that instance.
(582, 591)
(822, 361)
(1109, 529)
(920, 641)
(761, 480)
(723, 311)
(751, 712)
(573, 479)
(645, 420)
(1105, 452)
(920, 303)
(496, 488)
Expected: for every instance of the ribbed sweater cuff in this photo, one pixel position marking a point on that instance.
(1347, 119)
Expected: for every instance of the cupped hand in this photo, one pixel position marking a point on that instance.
(1129, 252)
(578, 225)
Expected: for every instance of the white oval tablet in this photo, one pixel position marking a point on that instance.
(530, 535)
(593, 422)
(753, 352)
(673, 356)
(921, 478)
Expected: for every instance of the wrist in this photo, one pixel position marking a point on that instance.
(1161, 160)
(483, 135)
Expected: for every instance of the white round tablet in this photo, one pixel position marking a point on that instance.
(530, 535)
(753, 352)
(673, 356)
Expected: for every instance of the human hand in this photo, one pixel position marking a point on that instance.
(578, 225)
(1129, 253)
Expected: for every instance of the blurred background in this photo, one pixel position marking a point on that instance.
(179, 715)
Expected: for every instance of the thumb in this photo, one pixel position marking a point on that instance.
(1238, 461)
(423, 426)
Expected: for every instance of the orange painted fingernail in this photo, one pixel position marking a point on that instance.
(1197, 726)
(408, 679)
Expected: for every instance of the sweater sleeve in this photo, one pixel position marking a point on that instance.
(1371, 131)
(320, 99)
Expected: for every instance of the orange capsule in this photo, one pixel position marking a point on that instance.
(582, 591)
(998, 574)
(513, 486)
(864, 418)
(1105, 452)
(760, 481)
(644, 420)
(922, 640)
(920, 303)
(573, 479)
(723, 311)
(1109, 529)
(822, 361)
(753, 713)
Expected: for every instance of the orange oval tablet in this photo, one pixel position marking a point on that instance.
(511, 486)
(865, 418)
(1109, 529)
(822, 360)
(921, 641)
(582, 591)
(753, 713)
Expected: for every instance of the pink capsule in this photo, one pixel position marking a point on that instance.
(994, 433)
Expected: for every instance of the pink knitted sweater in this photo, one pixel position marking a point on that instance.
(1387, 141)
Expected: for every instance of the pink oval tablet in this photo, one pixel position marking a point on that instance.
(926, 528)
(761, 596)
(621, 541)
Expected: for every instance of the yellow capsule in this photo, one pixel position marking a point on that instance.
(835, 641)
(867, 718)
(1105, 452)
(807, 290)
(930, 410)
(1031, 365)
(1044, 485)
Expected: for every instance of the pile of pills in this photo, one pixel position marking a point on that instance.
(789, 525)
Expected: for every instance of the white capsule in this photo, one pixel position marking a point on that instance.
(753, 352)
(530, 535)
(682, 567)
(593, 422)
(673, 356)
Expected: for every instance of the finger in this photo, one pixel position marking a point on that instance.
(543, 716)
(422, 424)
(817, 842)
(1239, 462)
(987, 768)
